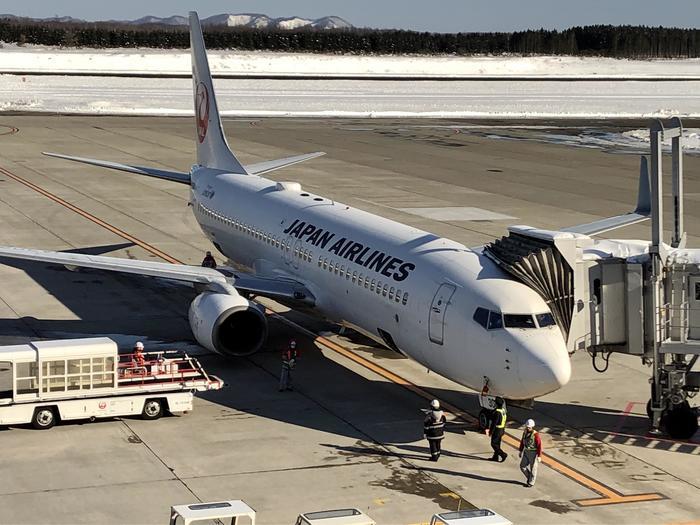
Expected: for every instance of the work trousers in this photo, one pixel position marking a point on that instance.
(285, 378)
(528, 465)
(434, 448)
(496, 437)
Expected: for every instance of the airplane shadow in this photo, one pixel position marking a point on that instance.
(98, 302)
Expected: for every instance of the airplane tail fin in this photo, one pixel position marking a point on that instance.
(212, 149)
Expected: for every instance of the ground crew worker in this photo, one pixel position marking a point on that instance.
(530, 452)
(434, 429)
(139, 359)
(497, 429)
(289, 361)
(209, 261)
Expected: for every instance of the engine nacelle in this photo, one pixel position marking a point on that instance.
(228, 324)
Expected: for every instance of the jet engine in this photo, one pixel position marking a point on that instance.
(228, 324)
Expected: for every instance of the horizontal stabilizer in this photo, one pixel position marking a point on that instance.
(641, 213)
(272, 165)
(183, 178)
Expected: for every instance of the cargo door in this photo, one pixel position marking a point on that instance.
(438, 309)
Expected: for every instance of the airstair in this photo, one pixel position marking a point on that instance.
(632, 297)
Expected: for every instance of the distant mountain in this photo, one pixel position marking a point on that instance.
(170, 21)
(252, 20)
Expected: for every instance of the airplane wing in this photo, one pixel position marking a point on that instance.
(275, 288)
(175, 176)
(641, 213)
(272, 165)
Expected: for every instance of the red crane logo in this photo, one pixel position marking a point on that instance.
(202, 111)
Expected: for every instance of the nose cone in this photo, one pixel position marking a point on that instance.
(543, 363)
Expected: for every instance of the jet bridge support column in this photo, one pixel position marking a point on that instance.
(656, 251)
(673, 380)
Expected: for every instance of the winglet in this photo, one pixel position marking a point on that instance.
(644, 192)
(212, 149)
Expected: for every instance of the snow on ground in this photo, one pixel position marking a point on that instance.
(355, 98)
(27, 58)
(525, 95)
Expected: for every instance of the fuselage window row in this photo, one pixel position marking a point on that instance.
(275, 242)
(307, 255)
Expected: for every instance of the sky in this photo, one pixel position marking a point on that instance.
(444, 16)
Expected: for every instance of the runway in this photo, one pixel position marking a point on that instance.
(347, 436)
(356, 98)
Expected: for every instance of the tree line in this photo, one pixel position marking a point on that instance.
(598, 40)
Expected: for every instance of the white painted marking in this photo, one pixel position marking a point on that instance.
(457, 213)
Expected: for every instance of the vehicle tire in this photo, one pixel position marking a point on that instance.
(152, 409)
(681, 422)
(484, 419)
(44, 418)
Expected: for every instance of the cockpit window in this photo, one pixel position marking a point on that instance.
(481, 316)
(488, 319)
(495, 320)
(519, 321)
(545, 320)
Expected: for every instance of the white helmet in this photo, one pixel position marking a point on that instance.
(138, 345)
(293, 343)
(435, 404)
(530, 423)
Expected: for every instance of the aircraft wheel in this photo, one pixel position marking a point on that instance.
(152, 409)
(44, 418)
(681, 422)
(484, 419)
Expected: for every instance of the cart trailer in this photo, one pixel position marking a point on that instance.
(43, 382)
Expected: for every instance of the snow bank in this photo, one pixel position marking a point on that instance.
(141, 61)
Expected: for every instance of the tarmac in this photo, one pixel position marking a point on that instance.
(350, 434)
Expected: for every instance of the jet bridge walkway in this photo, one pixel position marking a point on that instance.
(632, 297)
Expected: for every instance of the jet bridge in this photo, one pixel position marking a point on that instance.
(632, 297)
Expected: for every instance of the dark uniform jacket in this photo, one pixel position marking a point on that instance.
(289, 358)
(497, 421)
(434, 425)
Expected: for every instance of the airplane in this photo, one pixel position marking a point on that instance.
(448, 307)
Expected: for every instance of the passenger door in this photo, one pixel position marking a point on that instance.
(438, 309)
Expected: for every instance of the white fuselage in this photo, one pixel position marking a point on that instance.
(405, 287)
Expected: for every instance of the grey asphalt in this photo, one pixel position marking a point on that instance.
(345, 437)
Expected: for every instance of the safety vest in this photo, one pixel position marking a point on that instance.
(529, 442)
(502, 422)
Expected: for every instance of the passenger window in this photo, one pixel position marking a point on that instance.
(398, 296)
(404, 301)
(354, 277)
(385, 290)
(481, 316)
(518, 321)
(337, 268)
(325, 264)
(544, 320)
(366, 281)
(371, 286)
(320, 261)
(495, 320)
(391, 293)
